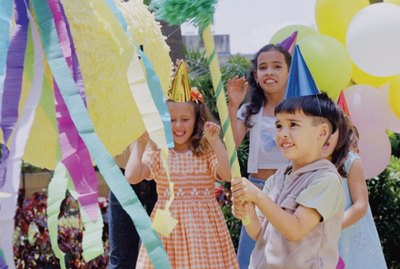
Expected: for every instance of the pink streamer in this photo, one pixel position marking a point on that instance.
(75, 154)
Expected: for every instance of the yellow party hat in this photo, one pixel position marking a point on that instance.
(180, 87)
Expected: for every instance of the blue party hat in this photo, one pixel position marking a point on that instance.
(300, 82)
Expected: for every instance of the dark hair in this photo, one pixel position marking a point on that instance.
(256, 92)
(202, 114)
(320, 105)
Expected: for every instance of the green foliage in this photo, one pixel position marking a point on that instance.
(395, 142)
(384, 198)
(176, 12)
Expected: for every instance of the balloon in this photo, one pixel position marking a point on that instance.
(393, 120)
(328, 61)
(368, 108)
(303, 31)
(360, 77)
(373, 39)
(394, 95)
(375, 154)
(333, 16)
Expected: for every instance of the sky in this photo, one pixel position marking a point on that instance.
(251, 23)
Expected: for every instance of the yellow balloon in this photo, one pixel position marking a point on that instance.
(394, 95)
(360, 77)
(396, 2)
(328, 61)
(333, 16)
(104, 53)
(284, 32)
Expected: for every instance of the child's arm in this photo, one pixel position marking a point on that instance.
(293, 226)
(358, 193)
(237, 88)
(211, 132)
(135, 170)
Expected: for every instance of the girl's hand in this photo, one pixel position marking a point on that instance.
(242, 189)
(237, 89)
(211, 131)
(144, 138)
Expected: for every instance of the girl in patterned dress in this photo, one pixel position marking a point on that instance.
(201, 238)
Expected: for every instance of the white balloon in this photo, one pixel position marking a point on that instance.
(373, 39)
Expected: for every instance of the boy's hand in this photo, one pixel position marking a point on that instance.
(242, 189)
(211, 131)
(240, 210)
(237, 89)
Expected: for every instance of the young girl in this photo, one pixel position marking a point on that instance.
(267, 78)
(201, 238)
(302, 203)
(359, 244)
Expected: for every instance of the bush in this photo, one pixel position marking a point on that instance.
(384, 199)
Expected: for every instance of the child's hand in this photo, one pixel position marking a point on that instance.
(211, 131)
(237, 89)
(242, 189)
(239, 209)
(144, 138)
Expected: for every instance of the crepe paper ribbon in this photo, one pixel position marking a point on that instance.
(75, 155)
(151, 77)
(3, 264)
(67, 44)
(76, 158)
(92, 243)
(213, 63)
(79, 114)
(152, 107)
(18, 143)
(56, 194)
(5, 23)
(13, 81)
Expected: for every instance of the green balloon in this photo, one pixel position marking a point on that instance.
(303, 31)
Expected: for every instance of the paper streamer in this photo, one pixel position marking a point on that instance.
(75, 155)
(152, 79)
(56, 194)
(5, 21)
(92, 243)
(13, 81)
(18, 143)
(110, 171)
(151, 105)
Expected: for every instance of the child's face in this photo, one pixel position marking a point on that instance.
(182, 123)
(300, 137)
(329, 147)
(272, 72)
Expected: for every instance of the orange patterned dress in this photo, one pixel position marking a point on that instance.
(201, 239)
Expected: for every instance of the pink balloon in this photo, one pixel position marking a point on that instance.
(394, 124)
(393, 120)
(368, 108)
(375, 154)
